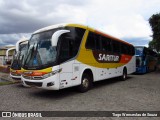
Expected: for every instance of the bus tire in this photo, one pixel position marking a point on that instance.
(124, 75)
(147, 70)
(86, 83)
(155, 68)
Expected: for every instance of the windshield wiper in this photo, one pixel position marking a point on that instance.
(29, 54)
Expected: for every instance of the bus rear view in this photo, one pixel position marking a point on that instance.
(146, 59)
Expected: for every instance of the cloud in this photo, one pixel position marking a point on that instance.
(11, 39)
(122, 19)
(131, 26)
(136, 41)
(27, 16)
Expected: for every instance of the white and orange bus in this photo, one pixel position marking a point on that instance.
(15, 69)
(9, 59)
(67, 55)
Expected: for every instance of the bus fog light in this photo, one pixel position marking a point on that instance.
(50, 84)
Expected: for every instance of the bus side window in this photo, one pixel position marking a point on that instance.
(133, 50)
(124, 49)
(70, 43)
(98, 42)
(79, 32)
(90, 43)
(116, 47)
(65, 48)
(106, 44)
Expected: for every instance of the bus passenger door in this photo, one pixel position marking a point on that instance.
(66, 74)
(76, 80)
(66, 61)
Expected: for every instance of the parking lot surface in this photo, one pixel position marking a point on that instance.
(137, 93)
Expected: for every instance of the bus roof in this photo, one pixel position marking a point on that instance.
(80, 26)
(59, 25)
(109, 36)
(146, 49)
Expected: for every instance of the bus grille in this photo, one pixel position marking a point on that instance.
(33, 77)
(37, 84)
(14, 74)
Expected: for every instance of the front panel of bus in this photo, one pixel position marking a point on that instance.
(15, 70)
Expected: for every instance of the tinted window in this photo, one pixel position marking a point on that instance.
(132, 50)
(70, 43)
(98, 42)
(116, 46)
(106, 44)
(127, 49)
(124, 48)
(90, 44)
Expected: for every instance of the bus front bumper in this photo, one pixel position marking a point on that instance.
(50, 83)
(15, 76)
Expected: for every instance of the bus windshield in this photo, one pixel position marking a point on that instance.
(17, 59)
(139, 61)
(139, 50)
(40, 52)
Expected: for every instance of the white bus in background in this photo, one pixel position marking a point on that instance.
(66, 55)
(15, 69)
(8, 59)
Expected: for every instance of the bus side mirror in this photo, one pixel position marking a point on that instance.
(7, 52)
(21, 40)
(56, 35)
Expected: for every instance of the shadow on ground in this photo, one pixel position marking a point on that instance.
(60, 94)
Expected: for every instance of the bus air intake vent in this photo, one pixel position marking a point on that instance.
(37, 84)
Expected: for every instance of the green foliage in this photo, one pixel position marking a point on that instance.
(152, 44)
(154, 22)
(6, 83)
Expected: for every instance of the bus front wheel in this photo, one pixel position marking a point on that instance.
(86, 83)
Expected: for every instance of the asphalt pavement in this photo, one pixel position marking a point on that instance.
(137, 93)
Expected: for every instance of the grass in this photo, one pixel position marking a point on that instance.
(6, 83)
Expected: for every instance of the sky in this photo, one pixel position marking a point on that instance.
(123, 19)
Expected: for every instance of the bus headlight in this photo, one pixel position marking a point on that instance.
(52, 73)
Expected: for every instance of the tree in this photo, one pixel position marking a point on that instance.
(154, 22)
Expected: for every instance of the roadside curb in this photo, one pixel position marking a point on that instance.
(6, 77)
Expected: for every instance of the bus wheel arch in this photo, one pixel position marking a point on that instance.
(86, 81)
(124, 74)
